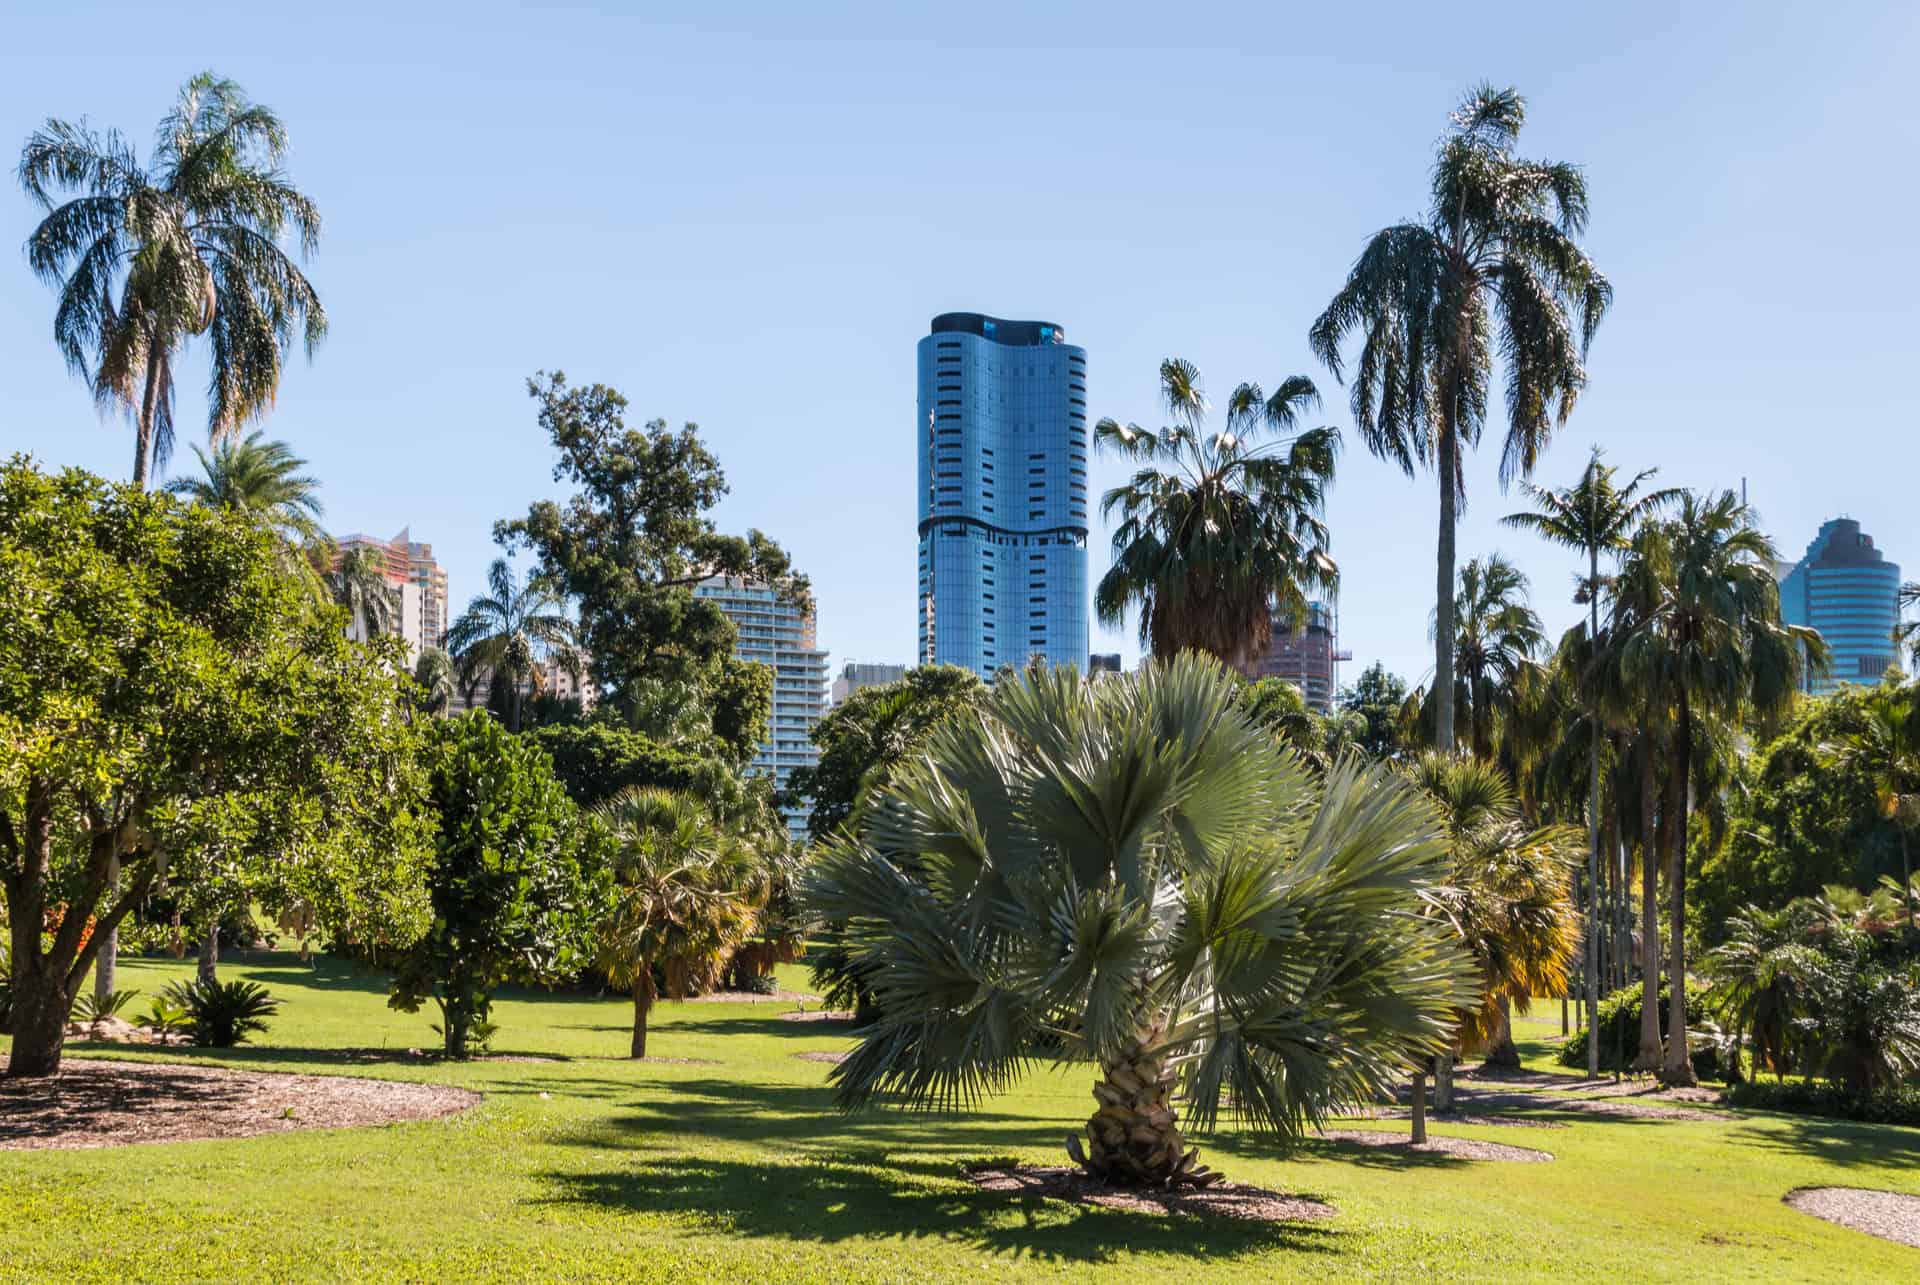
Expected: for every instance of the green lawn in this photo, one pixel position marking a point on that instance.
(741, 1171)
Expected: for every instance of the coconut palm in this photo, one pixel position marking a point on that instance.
(1495, 634)
(685, 896)
(433, 673)
(1217, 533)
(1713, 646)
(508, 633)
(146, 258)
(1594, 516)
(1133, 872)
(260, 479)
(1496, 263)
(359, 583)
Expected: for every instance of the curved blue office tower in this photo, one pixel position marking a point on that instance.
(1003, 494)
(1845, 588)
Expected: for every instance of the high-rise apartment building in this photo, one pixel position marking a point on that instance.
(1002, 432)
(779, 636)
(1846, 589)
(420, 582)
(1303, 654)
(858, 674)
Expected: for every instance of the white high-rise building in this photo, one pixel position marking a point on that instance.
(419, 582)
(857, 674)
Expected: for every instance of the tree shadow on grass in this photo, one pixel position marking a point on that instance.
(1849, 1144)
(832, 1198)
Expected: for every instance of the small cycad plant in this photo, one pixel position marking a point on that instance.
(91, 1008)
(224, 1014)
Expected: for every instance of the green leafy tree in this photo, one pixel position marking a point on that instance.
(508, 634)
(1495, 264)
(1217, 532)
(1886, 750)
(1377, 697)
(147, 257)
(168, 703)
(1279, 706)
(595, 762)
(686, 896)
(630, 546)
(1132, 872)
(518, 883)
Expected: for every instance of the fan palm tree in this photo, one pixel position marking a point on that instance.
(1713, 645)
(1496, 263)
(1767, 983)
(685, 896)
(146, 258)
(1217, 533)
(1594, 516)
(507, 633)
(1495, 634)
(359, 583)
(1133, 872)
(434, 675)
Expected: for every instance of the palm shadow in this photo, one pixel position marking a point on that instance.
(1847, 1143)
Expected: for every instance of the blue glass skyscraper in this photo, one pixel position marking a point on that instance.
(1846, 589)
(1002, 429)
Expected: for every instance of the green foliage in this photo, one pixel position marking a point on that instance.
(166, 1015)
(518, 880)
(508, 634)
(223, 1014)
(1811, 1097)
(596, 761)
(1376, 696)
(632, 543)
(91, 1008)
(1620, 1031)
(169, 699)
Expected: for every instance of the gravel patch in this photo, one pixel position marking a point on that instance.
(1492, 1121)
(1463, 1148)
(752, 997)
(838, 1015)
(1890, 1215)
(1222, 1200)
(111, 1104)
(834, 1058)
(669, 1061)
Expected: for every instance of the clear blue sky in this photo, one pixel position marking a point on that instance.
(744, 216)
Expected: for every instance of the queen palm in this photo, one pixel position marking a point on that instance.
(1216, 532)
(686, 895)
(433, 673)
(146, 258)
(1595, 516)
(1495, 634)
(359, 583)
(262, 480)
(509, 632)
(1496, 263)
(1712, 645)
(1133, 872)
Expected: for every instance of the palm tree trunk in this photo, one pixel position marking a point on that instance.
(149, 412)
(1443, 1080)
(1593, 826)
(1419, 1133)
(1448, 463)
(1134, 1138)
(1679, 1065)
(1501, 1051)
(1648, 1058)
(642, 1006)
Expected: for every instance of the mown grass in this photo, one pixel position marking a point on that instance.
(597, 1168)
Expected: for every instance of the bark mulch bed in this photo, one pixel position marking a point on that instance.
(840, 1016)
(111, 1104)
(1493, 1121)
(1461, 1148)
(1585, 1106)
(668, 1061)
(835, 1058)
(1222, 1200)
(1890, 1215)
(751, 997)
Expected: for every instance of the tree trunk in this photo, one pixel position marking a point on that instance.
(1133, 1139)
(1648, 1058)
(1679, 1065)
(1443, 1081)
(105, 964)
(1419, 1108)
(1501, 1051)
(1563, 1016)
(1593, 827)
(1448, 464)
(642, 1005)
(41, 1005)
(210, 951)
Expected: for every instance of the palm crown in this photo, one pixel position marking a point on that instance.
(1216, 532)
(1133, 871)
(507, 633)
(261, 479)
(145, 257)
(1495, 634)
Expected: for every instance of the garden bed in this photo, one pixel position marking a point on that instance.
(1222, 1200)
(110, 1104)
(1890, 1215)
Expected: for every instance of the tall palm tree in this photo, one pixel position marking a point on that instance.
(1495, 634)
(1594, 516)
(433, 673)
(261, 479)
(1714, 647)
(146, 258)
(1133, 872)
(1496, 263)
(1886, 750)
(1908, 631)
(686, 895)
(508, 632)
(359, 583)
(1217, 533)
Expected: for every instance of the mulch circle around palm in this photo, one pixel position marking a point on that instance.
(111, 1104)
(1460, 1148)
(834, 1058)
(840, 1016)
(1222, 1200)
(1890, 1215)
(751, 997)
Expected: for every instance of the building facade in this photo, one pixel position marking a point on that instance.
(1846, 589)
(1002, 433)
(1304, 655)
(858, 674)
(419, 582)
(776, 634)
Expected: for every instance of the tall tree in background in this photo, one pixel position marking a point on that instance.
(1497, 263)
(1495, 634)
(509, 633)
(146, 258)
(1714, 646)
(1595, 516)
(1908, 631)
(1217, 533)
(434, 675)
(359, 583)
(632, 543)
(261, 480)
(1886, 749)
(1376, 696)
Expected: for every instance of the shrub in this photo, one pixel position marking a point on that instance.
(1800, 1097)
(167, 1016)
(90, 1008)
(224, 1014)
(1620, 1031)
